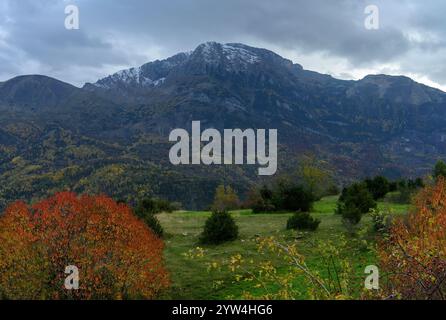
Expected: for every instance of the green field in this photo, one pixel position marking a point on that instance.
(191, 278)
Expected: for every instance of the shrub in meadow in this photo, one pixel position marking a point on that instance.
(439, 170)
(381, 220)
(219, 228)
(354, 202)
(261, 201)
(146, 212)
(378, 187)
(297, 198)
(303, 221)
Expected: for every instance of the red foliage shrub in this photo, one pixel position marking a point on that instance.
(117, 255)
(414, 255)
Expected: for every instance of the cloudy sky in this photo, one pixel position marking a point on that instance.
(323, 35)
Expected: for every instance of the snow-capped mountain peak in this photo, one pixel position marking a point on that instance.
(237, 53)
(231, 57)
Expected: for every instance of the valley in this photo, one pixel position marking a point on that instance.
(96, 139)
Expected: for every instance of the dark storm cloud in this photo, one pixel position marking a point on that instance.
(333, 26)
(115, 34)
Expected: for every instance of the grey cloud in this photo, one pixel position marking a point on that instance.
(116, 33)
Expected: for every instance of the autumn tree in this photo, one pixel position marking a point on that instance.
(315, 175)
(117, 255)
(414, 255)
(225, 199)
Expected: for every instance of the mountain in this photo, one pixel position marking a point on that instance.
(35, 91)
(111, 136)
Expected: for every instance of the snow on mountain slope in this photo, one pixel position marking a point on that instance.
(128, 77)
(148, 75)
(234, 57)
(213, 52)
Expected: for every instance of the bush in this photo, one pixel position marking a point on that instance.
(153, 223)
(297, 198)
(405, 189)
(149, 218)
(303, 221)
(261, 201)
(332, 190)
(166, 206)
(147, 205)
(291, 197)
(266, 193)
(414, 254)
(219, 228)
(263, 207)
(355, 201)
(359, 196)
(439, 170)
(118, 256)
(350, 213)
(284, 197)
(393, 186)
(154, 206)
(381, 220)
(378, 187)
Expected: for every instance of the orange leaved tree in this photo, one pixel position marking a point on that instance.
(414, 255)
(117, 255)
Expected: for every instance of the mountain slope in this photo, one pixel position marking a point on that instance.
(35, 91)
(111, 136)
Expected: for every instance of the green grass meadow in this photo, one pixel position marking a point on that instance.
(192, 279)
